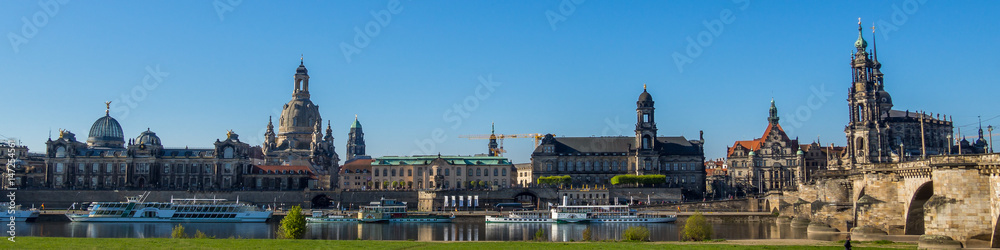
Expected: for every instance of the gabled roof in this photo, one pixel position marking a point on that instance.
(755, 144)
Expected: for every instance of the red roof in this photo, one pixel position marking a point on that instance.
(754, 145)
(359, 164)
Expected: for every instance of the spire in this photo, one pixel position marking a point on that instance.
(356, 123)
(302, 60)
(773, 113)
(270, 126)
(980, 127)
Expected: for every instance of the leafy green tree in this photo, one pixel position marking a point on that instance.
(178, 232)
(482, 184)
(697, 228)
(293, 226)
(540, 235)
(588, 235)
(472, 184)
(636, 233)
(198, 234)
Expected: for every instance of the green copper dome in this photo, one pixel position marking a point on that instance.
(356, 123)
(860, 43)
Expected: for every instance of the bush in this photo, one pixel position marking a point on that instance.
(588, 235)
(482, 184)
(555, 180)
(697, 228)
(636, 233)
(652, 179)
(293, 226)
(178, 232)
(201, 235)
(540, 235)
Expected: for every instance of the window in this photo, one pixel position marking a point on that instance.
(376, 172)
(409, 172)
(59, 168)
(166, 169)
(95, 168)
(228, 153)
(458, 172)
(385, 172)
(208, 169)
(562, 166)
(504, 172)
(393, 172)
(60, 152)
(479, 172)
(122, 168)
(495, 172)
(614, 166)
(228, 168)
(447, 172)
(486, 172)
(548, 166)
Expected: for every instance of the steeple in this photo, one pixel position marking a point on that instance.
(301, 80)
(494, 148)
(860, 44)
(355, 140)
(773, 114)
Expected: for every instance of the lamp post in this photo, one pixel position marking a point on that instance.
(949, 143)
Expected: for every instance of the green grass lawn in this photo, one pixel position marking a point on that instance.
(160, 243)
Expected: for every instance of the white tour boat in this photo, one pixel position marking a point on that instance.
(393, 211)
(522, 217)
(319, 217)
(604, 214)
(136, 209)
(6, 212)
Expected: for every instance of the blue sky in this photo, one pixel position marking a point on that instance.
(564, 67)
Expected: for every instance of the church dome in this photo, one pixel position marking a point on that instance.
(301, 70)
(148, 138)
(645, 97)
(106, 132)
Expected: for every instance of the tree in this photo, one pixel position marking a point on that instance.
(293, 226)
(588, 235)
(395, 184)
(697, 228)
(472, 184)
(636, 233)
(178, 232)
(639, 179)
(482, 184)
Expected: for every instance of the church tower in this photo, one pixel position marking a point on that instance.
(355, 140)
(494, 148)
(645, 133)
(869, 105)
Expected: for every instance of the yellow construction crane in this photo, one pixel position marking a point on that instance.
(499, 137)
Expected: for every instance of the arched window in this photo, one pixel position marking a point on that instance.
(495, 172)
(503, 172)
(479, 172)
(646, 142)
(60, 151)
(227, 153)
(393, 172)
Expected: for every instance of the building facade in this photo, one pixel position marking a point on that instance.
(356, 174)
(875, 132)
(106, 161)
(442, 172)
(595, 160)
(299, 140)
(355, 141)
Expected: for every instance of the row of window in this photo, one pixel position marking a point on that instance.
(445, 172)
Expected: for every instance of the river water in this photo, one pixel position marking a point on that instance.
(458, 231)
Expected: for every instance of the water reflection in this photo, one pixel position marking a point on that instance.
(459, 231)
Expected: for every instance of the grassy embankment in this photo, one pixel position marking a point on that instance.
(162, 243)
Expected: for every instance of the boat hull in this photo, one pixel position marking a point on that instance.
(500, 219)
(331, 220)
(634, 220)
(87, 218)
(19, 216)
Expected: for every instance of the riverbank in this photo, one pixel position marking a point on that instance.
(161, 243)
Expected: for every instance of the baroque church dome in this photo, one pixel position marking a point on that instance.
(148, 138)
(106, 132)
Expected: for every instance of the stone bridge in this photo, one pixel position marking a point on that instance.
(947, 199)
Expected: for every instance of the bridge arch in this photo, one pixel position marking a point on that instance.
(527, 197)
(915, 212)
(320, 201)
(996, 234)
